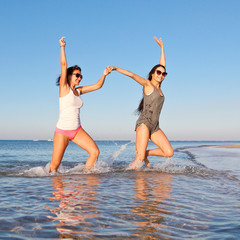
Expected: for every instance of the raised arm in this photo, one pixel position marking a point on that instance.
(96, 86)
(162, 57)
(63, 63)
(140, 80)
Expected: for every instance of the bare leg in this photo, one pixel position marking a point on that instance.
(164, 147)
(142, 138)
(60, 143)
(83, 140)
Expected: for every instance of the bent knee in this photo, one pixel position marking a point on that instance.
(95, 152)
(169, 153)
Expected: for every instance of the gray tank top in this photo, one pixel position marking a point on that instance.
(152, 106)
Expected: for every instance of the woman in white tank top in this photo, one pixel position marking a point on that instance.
(69, 124)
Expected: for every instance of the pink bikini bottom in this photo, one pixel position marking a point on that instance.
(70, 133)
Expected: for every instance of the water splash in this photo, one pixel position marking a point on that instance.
(135, 165)
(37, 172)
(184, 162)
(114, 156)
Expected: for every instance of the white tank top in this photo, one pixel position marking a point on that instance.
(69, 110)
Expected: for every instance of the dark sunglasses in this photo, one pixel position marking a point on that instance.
(160, 72)
(78, 75)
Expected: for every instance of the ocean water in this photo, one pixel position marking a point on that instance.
(193, 195)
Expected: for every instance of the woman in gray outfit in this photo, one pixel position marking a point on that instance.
(147, 125)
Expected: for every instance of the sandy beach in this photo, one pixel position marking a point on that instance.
(231, 146)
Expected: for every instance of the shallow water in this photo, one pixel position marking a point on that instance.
(196, 194)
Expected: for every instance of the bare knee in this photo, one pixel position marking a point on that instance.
(169, 153)
(94, 152)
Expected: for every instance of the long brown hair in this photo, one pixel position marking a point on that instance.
(140, 107)
(69, 72)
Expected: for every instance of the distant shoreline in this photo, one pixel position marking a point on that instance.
(230, 146)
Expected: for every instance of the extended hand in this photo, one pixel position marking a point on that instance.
(159, 41)
(62, 42)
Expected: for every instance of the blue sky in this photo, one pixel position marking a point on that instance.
(202, 100)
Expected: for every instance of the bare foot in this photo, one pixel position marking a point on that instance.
(88, 168)
(135, 164)
(147, 163)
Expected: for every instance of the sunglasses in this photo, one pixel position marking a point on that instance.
(160, 72)
(78, 75)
